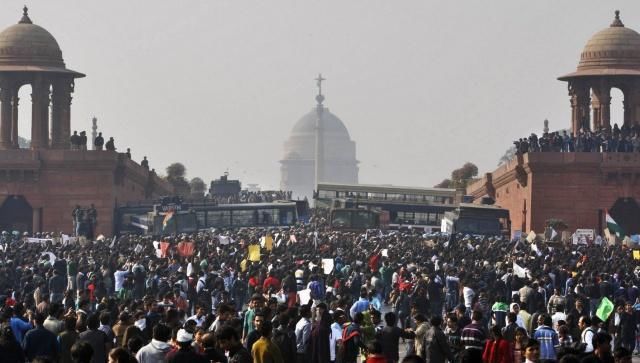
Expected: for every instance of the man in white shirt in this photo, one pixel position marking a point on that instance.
(199, 317)
(303, 334)
(585, 324)
(120, 275)
(336, 333)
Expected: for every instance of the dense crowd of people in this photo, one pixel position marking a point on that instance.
(606, 139)
(309, 294)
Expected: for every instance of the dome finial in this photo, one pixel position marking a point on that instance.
(617, 22)
(25, 16)
(320, 97)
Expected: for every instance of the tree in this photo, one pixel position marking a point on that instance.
(176, 170)
(198, 187)
(176, 176)
(460, 177)
(508, 155)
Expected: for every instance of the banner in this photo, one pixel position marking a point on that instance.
(531, 236)
(519, 271)
(327, 265)
(584, 235)
(39, 240)
(267, 242)
(164, 249)
(225, 240)
(186, 249)
(254, 253)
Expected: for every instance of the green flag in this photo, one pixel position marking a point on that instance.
(604, 309)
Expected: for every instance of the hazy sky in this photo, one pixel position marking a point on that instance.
(422, 86)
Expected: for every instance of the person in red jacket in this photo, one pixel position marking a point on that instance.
(498, 349)
(271, 282)
(374, 353)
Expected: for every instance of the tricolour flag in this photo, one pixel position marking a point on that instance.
(613, 226)
(167, 218)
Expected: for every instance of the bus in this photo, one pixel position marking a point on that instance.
(398, 207)
(191, 216)
(345, 219)
(477, 219)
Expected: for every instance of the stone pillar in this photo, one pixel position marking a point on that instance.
(604, 98)
(597, 112)
(60, 114)
(40, 114)
(580, 100)
(5, 116)
(14, 118)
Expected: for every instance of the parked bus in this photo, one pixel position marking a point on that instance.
(478, 219)
(399, 207)
(192, 216)
(345, 219)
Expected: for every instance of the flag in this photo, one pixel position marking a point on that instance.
(604, 309)
(613, 227)
(167, 219)
(636, 255)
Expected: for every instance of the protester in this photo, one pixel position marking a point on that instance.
(124, 290)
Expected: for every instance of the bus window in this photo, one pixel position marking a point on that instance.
(240, 218)
(202, 218)
(341, 219)
(218, 218)
(422, 218)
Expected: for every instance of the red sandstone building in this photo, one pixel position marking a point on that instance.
(579, 187)
(40, 186)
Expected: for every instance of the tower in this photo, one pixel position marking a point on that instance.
(30, 55)
(319, 149)
(319, 158)
(610, 59)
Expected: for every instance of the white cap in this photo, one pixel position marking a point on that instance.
(184, 336)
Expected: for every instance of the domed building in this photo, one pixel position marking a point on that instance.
(610, 59)
(581, 188)
(40, 186)
(323, 136)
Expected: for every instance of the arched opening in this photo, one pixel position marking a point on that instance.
(616, 108)
(24, 116)
(16, 214)
(626, 213)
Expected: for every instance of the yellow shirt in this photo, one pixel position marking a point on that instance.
(265, 351)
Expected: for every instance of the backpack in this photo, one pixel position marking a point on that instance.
(317, 291)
